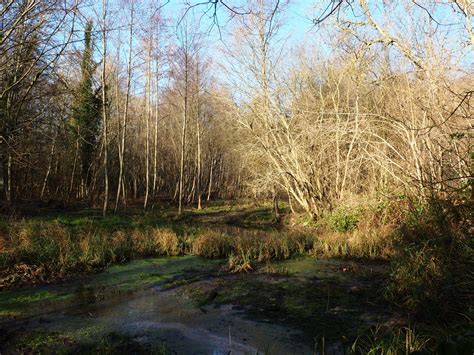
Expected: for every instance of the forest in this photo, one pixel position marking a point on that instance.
(236, 176)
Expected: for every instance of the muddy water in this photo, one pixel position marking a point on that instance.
(134, 306)
(164, 315)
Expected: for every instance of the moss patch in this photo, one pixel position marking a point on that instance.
(320, 297)
(117, 280)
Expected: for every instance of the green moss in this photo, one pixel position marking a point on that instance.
(44, 342)
(310, 267)
(88, 339)
(38, 297)
(24, 302)
(315, 296)
(117, 280)
(313, 309)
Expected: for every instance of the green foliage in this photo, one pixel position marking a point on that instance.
(432, 272)
(86, 108)
(343, 219)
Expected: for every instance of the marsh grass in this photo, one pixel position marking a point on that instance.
(212, 244)
(250, 246)
(386, 340)
(37, 251)
(53, 249)
(42, 249)
(364, 233)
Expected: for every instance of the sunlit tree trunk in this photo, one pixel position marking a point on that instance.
(184, 123)
(125, 113)
(155, 133)
(147, 119)
(104, 106)
(198, 136)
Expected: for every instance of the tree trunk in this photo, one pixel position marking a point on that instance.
(104, 106)
(198, 136)
(147, 124)
(211, 170)
(155, 135)
(183, 135)
(276, 209)
(48, 170)
(125, 113)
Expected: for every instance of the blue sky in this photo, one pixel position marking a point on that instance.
(298, 26)
(297, 17)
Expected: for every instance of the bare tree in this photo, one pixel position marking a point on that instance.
(123, 123)
(104, 105)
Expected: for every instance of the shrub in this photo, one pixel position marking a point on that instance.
(166, 241)
(61, 244)
(241, 262)
(344, 219)
(212, 244)
(360, 232)
(85, 236)
(120, 247)
(432, 271)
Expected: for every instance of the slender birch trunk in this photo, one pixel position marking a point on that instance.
(125, 113)
(155, 135)
(198, 136)
(147, 123)
(183, 132)
(211, 170)
(104, 105)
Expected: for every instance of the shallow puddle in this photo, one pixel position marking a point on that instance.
(150, 306)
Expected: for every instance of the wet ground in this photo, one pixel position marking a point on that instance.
(193, 305)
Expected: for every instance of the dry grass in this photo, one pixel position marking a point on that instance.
(368, 232)
(50, 250)
(212, 244)
(250, 246)
(53, 246)
(366, 244)
(240, 263)
(142, 243)
(166, 241)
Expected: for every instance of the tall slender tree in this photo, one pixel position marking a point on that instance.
(86, 110)
(123, 124)
(104, 105)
